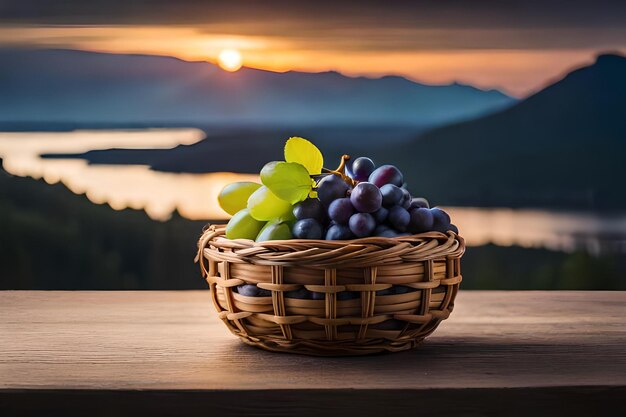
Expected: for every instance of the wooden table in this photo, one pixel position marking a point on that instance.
(166, 353)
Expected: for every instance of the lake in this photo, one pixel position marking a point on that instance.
(194, 195)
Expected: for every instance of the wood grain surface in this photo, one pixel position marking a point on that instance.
(74, 345)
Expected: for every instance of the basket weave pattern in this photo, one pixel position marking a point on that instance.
(426, 266)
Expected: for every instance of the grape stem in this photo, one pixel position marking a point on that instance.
(341, 171)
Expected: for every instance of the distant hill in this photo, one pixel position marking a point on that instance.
(248, 149)
(564, 146)
(77, 86)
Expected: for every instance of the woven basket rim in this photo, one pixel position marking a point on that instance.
(219, 226)
(362, 252)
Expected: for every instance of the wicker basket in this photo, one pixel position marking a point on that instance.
(426, 266)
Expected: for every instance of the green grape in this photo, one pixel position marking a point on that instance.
(286, 218)
(234, 196)
(243, 226)
(274, 231)
(264, 205)
(289, 181)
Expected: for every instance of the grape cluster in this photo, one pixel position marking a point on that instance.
(251, 290)
(298, 198)
(374, 203)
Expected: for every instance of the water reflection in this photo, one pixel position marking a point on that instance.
(557, 230)
(194, 195)
(120, 186)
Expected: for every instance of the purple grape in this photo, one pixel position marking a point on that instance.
(384, 231)
(347, 295)
(387, 291)
(386, 174)
(330, 188)
(307, 229)
(381, 228)
(362, 168)
(380, 215)
(344, 295)
(340, 210)
(441, 227)
(418, 202)
(444, 227)
(318, 295)
(311, 208)
(440, 215)
(301, 294)
(403, 289)
(251, 290)
(396, 289)
(339, 232)
(441, 220)
(422, 220)
(399, 218)
(362, 224)
(392, 195)
(406, 198)
(366, 197)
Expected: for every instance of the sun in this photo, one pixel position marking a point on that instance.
(229, 60)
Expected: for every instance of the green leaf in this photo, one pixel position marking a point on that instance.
(289, 181)
(264, 205)
(303, 152)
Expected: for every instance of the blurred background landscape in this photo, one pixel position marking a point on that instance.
(121, 121)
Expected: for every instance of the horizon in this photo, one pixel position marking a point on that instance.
(547, 83)
(516, 50)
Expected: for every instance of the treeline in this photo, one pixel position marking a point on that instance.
(515, 268)
(51, 238)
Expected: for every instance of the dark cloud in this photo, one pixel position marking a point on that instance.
(363, 24)
(443, 13)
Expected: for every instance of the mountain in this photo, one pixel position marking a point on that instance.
(78, 86)
(564, 146)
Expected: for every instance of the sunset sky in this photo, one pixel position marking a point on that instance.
(515, 46)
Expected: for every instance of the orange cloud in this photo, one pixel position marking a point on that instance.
(516, 71)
